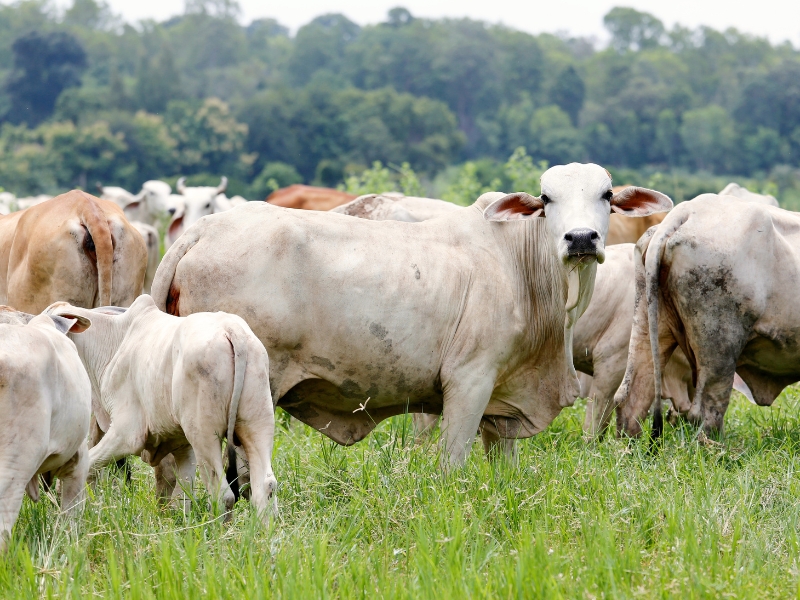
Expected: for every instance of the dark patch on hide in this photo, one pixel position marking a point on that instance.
(416, 271)
(88, 246)
(378, 330)
(323, 362)
(350, 389)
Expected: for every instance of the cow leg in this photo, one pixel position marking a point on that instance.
(18, 465)
(465, 400)
(263, 485)
(185, 468)
(496, 446)
(73, 476)
(712, 396)
(124, 437)
(166, 477)
(424, 424)
(11, 493)
(208, 450)
(600, 405)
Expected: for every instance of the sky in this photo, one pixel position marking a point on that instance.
(779, 20)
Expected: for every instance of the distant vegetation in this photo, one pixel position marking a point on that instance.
(86, 97)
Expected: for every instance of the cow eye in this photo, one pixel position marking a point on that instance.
(546, 199)
(608, 195)
(208, 205)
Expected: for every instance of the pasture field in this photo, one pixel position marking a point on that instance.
(378, 520)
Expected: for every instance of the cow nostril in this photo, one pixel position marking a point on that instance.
(594, 235)
(568, 237)
(171, 211)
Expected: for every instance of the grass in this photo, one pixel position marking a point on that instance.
(572, 520)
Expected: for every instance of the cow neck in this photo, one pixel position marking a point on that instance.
(538, 277)
(99, 349)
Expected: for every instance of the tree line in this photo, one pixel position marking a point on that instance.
(87, 97)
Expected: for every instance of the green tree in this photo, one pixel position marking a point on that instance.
(273, 176)
(631, 29)
(553, 138)
(208, 137)
(45, 64)
(568, 93)
(157, 82)
(709, 135)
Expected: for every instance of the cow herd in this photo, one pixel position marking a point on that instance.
(368, 308)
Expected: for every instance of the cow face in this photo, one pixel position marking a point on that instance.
(155, 195)
(577, 201)
(198, 202)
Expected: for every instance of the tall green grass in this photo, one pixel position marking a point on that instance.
(571, 520)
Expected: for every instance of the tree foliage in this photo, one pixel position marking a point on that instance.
(203, 93)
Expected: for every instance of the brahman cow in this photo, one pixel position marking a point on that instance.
(309, 197)
(150, 206)
(171, 385)
(365, 320)
(45, 400)
(721, 290)
(601, 336)
(74, 247)
(197, 202)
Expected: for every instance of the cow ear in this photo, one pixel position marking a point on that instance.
(639, 202)
(518, 205)
(133, 205)
(71, 323)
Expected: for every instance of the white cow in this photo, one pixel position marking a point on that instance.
(734, 189)
(601, 335)
(178, 385)
(45, 400)
(151, 205)
(364, 320)
(198, 202)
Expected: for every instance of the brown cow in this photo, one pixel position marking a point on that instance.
(74, 247)
(309, 197)
(625, 230)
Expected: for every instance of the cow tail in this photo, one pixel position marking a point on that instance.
(653, 259)
(161, 290)
(99, 242)
(239, 343)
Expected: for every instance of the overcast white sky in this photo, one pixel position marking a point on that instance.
(777, 19)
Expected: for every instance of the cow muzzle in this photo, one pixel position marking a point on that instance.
(583, 243)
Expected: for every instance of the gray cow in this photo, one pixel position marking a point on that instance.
(45, 400)
(719, 281)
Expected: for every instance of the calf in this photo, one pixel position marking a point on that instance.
(175, 385)
(45, 400)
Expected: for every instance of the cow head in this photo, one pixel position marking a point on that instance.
(198, 202)
(577, 200)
